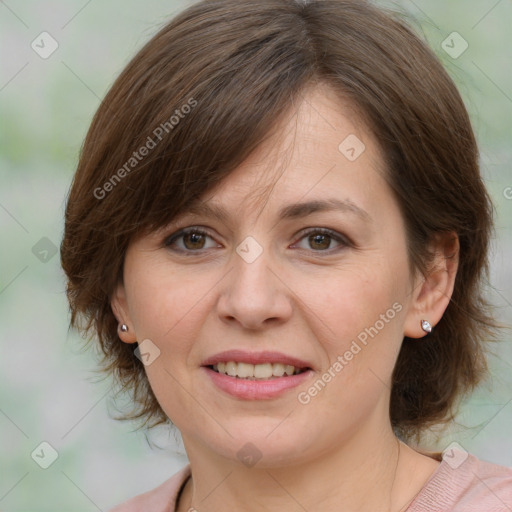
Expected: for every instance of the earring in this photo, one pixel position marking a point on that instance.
(124, 328)
(425, 325)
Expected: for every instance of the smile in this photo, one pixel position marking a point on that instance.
(265, 371)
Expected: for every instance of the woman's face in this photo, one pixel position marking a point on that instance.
(311, 274)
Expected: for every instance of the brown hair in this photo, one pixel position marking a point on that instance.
(206, 90)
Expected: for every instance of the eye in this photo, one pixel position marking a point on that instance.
(192, 239)
(320, 239)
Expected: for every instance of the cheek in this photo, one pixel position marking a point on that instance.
(359, 314)
(353, 298)
(363, 311)
(161, 300)
(169, 308)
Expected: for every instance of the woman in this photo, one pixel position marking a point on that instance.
(278, 232)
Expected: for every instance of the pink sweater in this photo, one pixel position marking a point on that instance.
(457, 485)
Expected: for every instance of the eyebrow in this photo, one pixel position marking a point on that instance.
(288, 212)
(299, 210)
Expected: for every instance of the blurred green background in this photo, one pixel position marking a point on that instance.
(49, 391)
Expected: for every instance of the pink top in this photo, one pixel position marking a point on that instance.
(461, 483)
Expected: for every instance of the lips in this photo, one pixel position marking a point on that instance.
(256, 358)
(256, 375)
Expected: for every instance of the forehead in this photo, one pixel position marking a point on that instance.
(320, 147)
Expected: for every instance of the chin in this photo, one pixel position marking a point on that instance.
(262, 442)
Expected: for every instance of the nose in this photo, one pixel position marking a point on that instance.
(255, 294)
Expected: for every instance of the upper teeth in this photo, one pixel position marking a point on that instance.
(257, 371)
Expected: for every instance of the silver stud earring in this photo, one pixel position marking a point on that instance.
(124, 328)
(426, 326)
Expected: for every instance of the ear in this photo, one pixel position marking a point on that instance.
(120, 309)
(432, 293)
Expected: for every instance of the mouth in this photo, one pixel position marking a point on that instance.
(264, 371)
(256, 375)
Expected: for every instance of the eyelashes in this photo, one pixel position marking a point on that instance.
(170, 241)
(319, 235)
(196, 237)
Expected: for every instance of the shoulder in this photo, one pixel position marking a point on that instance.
(492, 482)
(465, 483)
(159, 499)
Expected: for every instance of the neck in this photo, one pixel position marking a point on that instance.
(359, 474)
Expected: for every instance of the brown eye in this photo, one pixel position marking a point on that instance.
(193, 240)
(189, 240)
(321, 240)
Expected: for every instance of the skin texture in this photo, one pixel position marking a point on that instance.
(307, 297)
